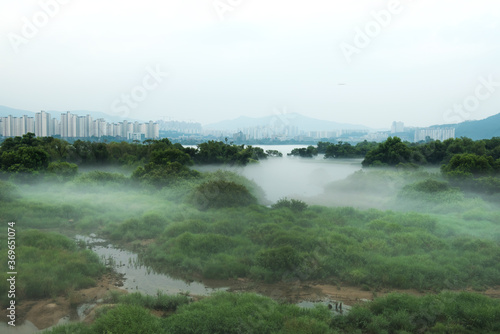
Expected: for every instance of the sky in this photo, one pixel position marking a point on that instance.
(364, 62)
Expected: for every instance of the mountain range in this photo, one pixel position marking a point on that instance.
(481, 129)
(304, 123)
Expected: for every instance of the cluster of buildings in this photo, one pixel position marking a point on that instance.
(422, 134)
(85, 127)
(434, 133)
(291, 132)
(181, 127)
(74, 126)
(264, 132)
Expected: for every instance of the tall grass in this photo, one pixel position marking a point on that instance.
(48, 265)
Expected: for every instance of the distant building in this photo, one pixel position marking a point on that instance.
(239, 136)
(397, 127)
(16, 126)
(434, 133)
(74, 126)
(42, 124)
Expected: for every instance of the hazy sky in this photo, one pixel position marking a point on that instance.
(413, 60)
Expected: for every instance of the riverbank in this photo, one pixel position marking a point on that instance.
(48, 312)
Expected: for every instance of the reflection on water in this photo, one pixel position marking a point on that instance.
(336, 307)
(139, 277)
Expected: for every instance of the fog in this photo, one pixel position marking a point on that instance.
(379, 215)
(293, 177)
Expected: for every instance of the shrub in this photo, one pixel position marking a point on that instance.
(221, 194)
(100, 178)
(64, 169)
(282, 258)
(165, 174)
(127, 319)
(431, 186)
(8, 191)
(293, 204)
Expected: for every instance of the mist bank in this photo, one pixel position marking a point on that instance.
(292, 177)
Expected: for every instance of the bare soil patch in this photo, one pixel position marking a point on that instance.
(44, 313)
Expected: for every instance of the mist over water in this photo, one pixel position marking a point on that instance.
(293, 177)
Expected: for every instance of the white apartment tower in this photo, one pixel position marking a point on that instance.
(42, 124)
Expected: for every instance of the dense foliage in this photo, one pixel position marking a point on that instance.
(30, 154)
(377, 249)
(221, 194)
(223, 312)
(308, 152)
(345, 150)
(446, 312)
(480, 156)
(49, 265)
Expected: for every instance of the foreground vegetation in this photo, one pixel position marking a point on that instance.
(223, 312)
(49, 265)
(213, 227)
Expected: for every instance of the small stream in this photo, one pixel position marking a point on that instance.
(139, 277)
(142, 278)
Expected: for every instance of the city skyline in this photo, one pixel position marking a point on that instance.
(75, 126)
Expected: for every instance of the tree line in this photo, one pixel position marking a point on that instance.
(30, 154)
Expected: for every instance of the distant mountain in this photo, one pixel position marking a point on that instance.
(303, 123)
(6, 111)
(481, 129)
(95, 115)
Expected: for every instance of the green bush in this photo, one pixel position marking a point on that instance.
(100, 178)
(50, 264)
(127, 319)
(8, 191)
(282, 258)
(221, 194)
(245, 313)
(447, 312)
(63, 169)
(161, 301)
(293, 204)
(164, 174)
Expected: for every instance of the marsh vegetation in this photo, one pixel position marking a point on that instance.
(422, 217)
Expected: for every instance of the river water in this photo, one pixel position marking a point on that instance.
(139, 277)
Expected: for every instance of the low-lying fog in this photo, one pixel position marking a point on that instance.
(293, 177)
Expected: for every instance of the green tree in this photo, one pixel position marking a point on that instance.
(469, 164)
(391, 152)
(221, 194)
(24, 159)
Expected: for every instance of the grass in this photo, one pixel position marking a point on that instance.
(48, 265)
(224, 312)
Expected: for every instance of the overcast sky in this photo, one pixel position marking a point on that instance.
(228, 58)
